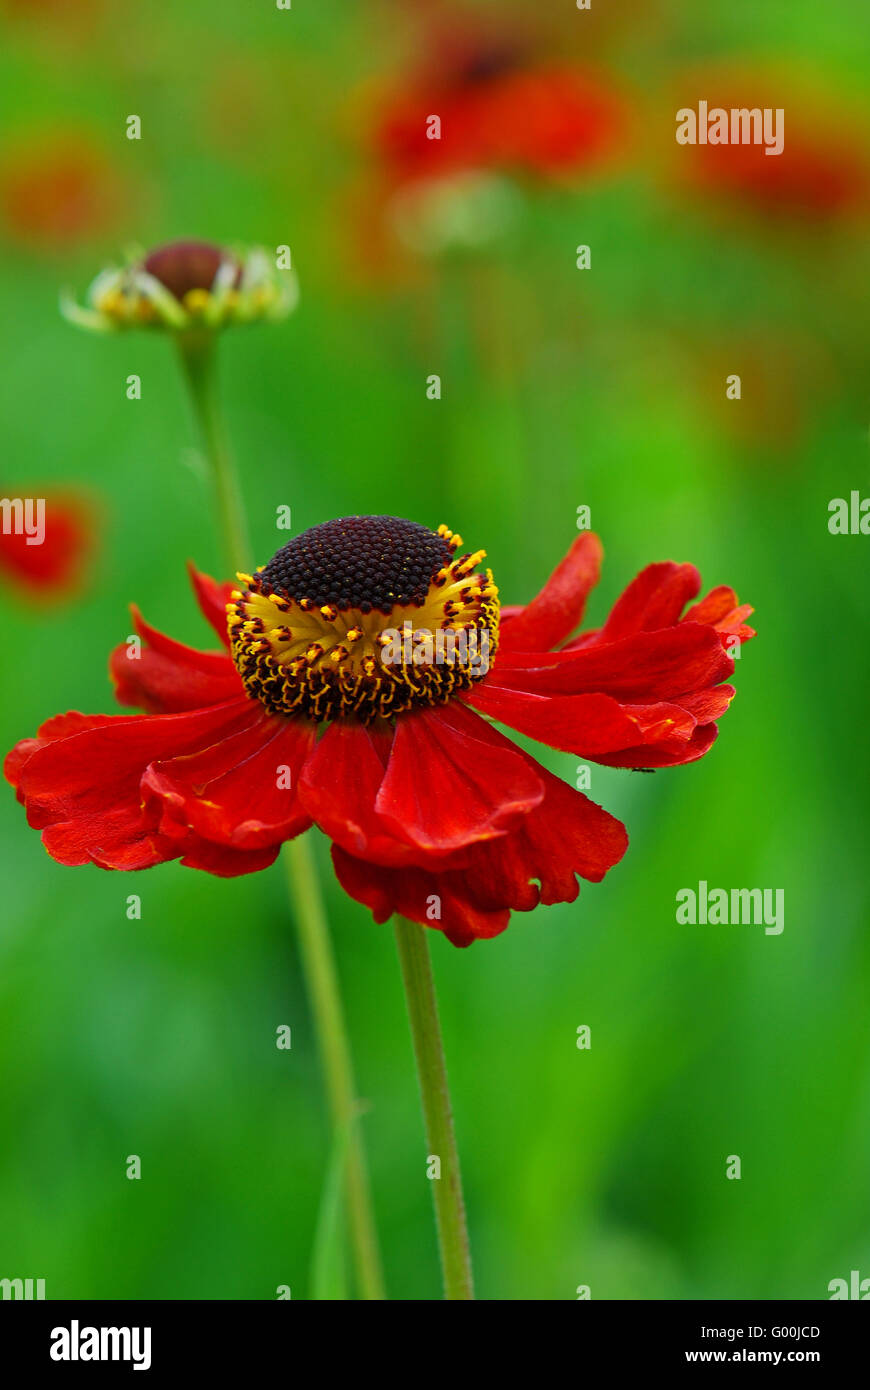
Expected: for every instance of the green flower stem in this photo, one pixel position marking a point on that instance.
(438, 1119)
(200, 368)
(318, 960)
(322, 979)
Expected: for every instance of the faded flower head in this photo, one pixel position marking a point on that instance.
(187, 285)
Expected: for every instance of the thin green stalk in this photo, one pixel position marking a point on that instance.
(438, 1118)
(198, 358)
(200, 368)
(322, 978)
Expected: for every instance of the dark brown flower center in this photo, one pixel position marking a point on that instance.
(488, 61)
(365, 562)
(186, 265)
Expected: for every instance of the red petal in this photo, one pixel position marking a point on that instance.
(16, 758)
(59, 726)
(721, 610)
(707, 705)
(82, 790)
(167, 677)
(412, 892)
(566, 835)
(451, 780)
(113, 839)
(338, 787)
(668, 753)
(655, 599)
(646, 667)
(225, 862)
(582, 724)
(587, 725)
(557, 610)
(212, 598)
(229, 792)
(663, 720)
(715, 605)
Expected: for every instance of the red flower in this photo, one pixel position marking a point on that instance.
(52, 567)
(432, 812)
(500, 106)
(547, 122)
(813, 178)
(822, 173)
(513, 111)
(58, 190)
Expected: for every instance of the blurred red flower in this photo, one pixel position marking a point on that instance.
(500, 107)
(811, 179)
(823, 171)
(485, 112)
(57, 190)
(54, 568)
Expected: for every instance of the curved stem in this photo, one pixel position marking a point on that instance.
(440, 1137)
(198, 359)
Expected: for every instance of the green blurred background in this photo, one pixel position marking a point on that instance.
(560, 388)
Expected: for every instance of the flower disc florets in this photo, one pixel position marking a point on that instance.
(364, 617)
